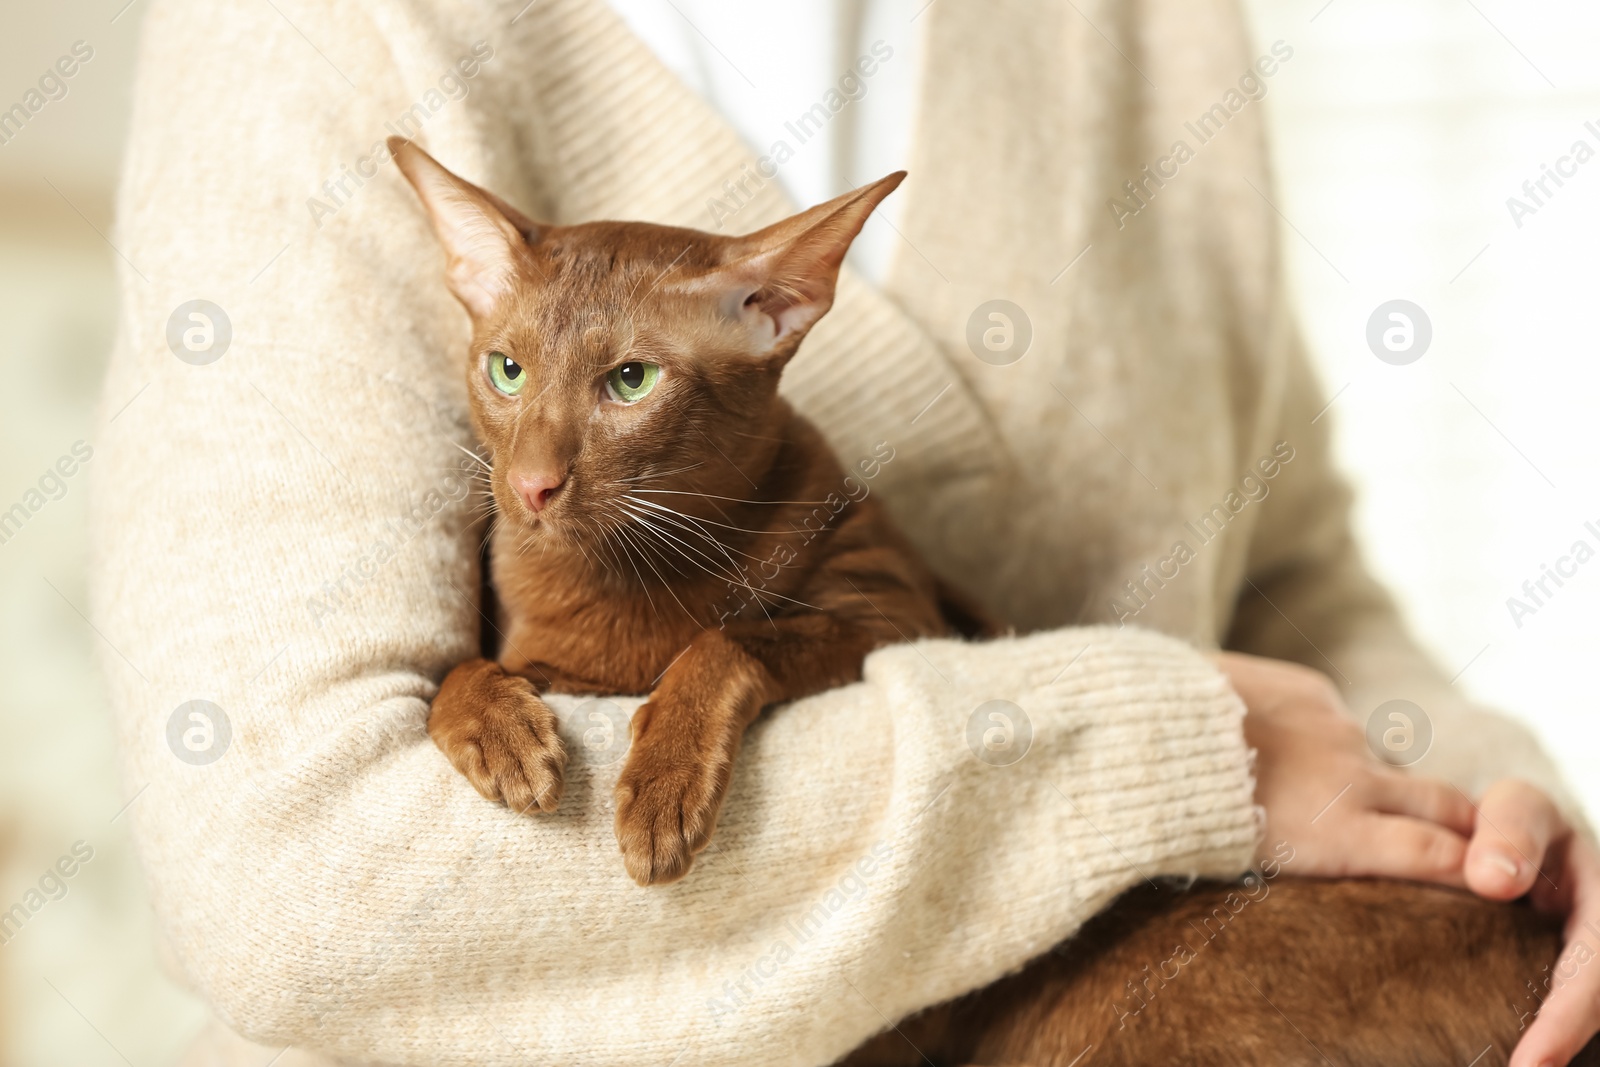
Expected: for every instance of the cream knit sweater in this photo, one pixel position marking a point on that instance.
(276, 533)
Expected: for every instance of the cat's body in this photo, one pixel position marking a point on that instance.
(668, 525)
(1289, 973)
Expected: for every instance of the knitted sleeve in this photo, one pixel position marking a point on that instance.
(1311, 599)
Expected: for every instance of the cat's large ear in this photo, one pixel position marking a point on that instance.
(482, 235)
(781, 280)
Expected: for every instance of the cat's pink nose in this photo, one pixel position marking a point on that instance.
(536, 488)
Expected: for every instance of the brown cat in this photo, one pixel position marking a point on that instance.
(667, 524)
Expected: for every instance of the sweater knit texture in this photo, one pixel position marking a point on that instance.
(276, 533)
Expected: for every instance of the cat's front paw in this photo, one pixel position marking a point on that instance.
(668, 797)
(500, 735)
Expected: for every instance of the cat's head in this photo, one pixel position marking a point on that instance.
(611, 358)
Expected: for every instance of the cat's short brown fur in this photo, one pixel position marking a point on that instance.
(1292, 973)
(702, 544)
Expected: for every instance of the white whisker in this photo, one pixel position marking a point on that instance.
(477, 459)
(695, 519)
(733, 499)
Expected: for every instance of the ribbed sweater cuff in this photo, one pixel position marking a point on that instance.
(1135, 737)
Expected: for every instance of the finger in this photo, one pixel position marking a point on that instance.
(1422, 798)
(1564, 1025)
(1570, 1015)
(1566, 1021)
(1397, 846)
(1515, 827)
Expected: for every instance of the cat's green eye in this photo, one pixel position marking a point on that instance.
(632, 382)
(506, 374)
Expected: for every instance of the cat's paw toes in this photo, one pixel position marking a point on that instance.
(503, 738)
(665, 814)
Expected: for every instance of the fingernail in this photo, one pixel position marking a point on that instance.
(1505, 865)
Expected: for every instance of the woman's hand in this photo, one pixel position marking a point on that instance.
(1347, 814)
(1344, 812)
(1522, 845)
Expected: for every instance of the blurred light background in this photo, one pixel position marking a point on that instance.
(1401, 130)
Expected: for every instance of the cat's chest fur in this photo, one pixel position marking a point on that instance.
(560, 629)
(612, 620)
